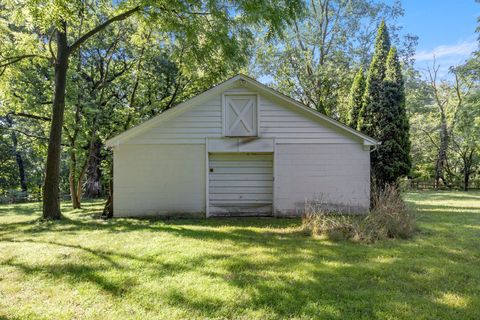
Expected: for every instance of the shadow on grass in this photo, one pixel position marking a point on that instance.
(445, 196)
(296, 276)
(74, 273)
(28, 209)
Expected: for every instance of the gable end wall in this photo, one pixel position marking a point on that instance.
(277, 121)
(162, 170)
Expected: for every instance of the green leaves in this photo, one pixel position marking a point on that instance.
(315, 59)
(355, 101)
(383, 114)
(128, 60)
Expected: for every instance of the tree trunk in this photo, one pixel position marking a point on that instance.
(72, 179)
(108, 209)
(467, 168)
(76, 177)
(74, 194)
(93, 184)
(21, 167)
(18, 157)
(51, 200)
(442, 152)
(466, 180)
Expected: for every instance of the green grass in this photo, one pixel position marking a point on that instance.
(87, 268)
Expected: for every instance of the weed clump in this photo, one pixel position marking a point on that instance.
(389, 219)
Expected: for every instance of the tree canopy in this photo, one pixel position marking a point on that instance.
(76, 73)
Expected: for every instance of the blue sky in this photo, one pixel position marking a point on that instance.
(446, 29)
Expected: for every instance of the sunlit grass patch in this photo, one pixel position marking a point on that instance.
(251, 268)
(453, 300)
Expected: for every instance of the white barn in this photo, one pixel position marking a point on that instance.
(240, 148)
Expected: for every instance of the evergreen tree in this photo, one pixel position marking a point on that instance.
(395, 161)
(356, 98)
(373, 98)
(383, 114)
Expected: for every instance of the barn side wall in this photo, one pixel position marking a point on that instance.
(154, 180)
(335, 176)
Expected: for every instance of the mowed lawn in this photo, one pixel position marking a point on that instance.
(87, 268)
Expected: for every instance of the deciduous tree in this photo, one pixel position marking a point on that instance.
(315, 60)
(211, 28)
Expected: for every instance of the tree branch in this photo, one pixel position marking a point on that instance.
(54, 57)
(430, 137)
(11, 60)
(97, 29)
(30, 135)
(27, 115)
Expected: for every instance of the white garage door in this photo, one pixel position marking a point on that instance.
(240, 184)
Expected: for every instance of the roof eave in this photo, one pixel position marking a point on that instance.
(117, 140)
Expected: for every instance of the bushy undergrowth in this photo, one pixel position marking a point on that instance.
(388, 219)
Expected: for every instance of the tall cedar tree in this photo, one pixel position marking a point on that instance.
(356, 98)
(395, 161)
(373, 99)
(383, 114)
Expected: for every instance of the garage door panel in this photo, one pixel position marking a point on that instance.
(242, 196)
(246, 190)
(240, 184)
(244, 210)
(236, 164)
(243, 170)
(227, 204)
(240, 177)
(240, 157)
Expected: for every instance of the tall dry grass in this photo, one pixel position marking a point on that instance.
(389, 219)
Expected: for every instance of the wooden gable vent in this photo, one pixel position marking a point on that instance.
(240, 115)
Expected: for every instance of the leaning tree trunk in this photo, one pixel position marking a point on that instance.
(51, 199)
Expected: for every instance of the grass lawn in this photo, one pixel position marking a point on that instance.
(263, 268)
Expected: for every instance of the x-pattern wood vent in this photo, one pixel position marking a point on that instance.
(241, 115)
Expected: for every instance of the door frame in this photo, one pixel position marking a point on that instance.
(207, 171)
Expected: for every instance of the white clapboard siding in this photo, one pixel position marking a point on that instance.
(337, 174)
(240, 184)
(190, 127)
(284, 123)
(289, 125)
(159, 180)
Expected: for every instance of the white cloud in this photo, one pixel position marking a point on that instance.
(445, 56)
(457, 51)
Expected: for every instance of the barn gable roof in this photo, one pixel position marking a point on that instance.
(247, 81)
